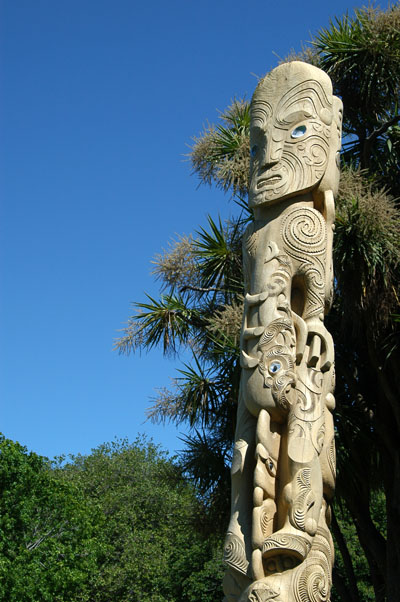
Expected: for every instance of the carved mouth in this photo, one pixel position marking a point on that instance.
(271, 181)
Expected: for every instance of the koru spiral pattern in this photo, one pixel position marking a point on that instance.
(304, 236)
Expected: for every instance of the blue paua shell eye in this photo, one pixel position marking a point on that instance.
(274, 367)
(298, 132)
(253, 150)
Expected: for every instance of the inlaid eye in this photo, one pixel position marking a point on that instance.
(270, 466)
(253, 150)
(298, 132)
(274, 367)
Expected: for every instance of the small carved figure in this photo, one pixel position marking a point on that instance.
(278, 546)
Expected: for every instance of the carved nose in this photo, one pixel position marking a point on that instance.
(273, 148)
(274, 152)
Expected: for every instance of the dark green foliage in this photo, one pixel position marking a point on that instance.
(121, 524)
(362, 55)
(149, 535)
(48, 544)
(205, 585)
(362, 580)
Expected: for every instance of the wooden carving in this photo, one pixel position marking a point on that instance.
(278, 546)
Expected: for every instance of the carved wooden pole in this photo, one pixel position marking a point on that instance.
(278, 546)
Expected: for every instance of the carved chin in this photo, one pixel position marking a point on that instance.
(259, 195)
(266, 195)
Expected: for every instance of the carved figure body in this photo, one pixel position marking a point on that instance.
(278, 546)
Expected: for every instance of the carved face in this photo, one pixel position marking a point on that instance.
(291, 123)
(277, 367)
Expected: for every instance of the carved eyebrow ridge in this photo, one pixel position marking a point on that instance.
(260, 109)
(295, 117)
(311, 87)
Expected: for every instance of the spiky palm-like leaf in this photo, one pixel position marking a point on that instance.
(168, 321)
(219, 253)
(362, 55)
(199, 392)
(206, 459)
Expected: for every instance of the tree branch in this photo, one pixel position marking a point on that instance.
(53, 531)
(375, 134)
(382, 129)
(200, 289)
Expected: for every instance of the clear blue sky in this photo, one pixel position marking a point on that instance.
(99, 101)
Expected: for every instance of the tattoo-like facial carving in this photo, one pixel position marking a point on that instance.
(278, 546)
(291, 132)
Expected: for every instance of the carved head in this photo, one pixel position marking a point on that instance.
(277, 367)
(294, 134)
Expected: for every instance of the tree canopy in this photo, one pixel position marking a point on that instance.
(118, 524)
(47, 537)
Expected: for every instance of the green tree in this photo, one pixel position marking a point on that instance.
(200, 305)
(47, 543)
(148, 541)
(120, 524)
(362, 56)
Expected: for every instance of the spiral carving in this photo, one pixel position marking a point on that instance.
(312, 583)
(265, 520)
(315, 157)
(323, 543)
(282, 381)
(278, 547)
(303, 499)
(273, 329)
(304, 233)
(312, 579)
(277, 351)
(234, 554)
(284, 541)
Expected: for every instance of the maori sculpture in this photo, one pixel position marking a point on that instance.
(278, 546)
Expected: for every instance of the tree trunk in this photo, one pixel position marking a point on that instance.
(393, 529)
(352, 591)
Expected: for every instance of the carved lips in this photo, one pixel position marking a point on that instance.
(289, 139)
